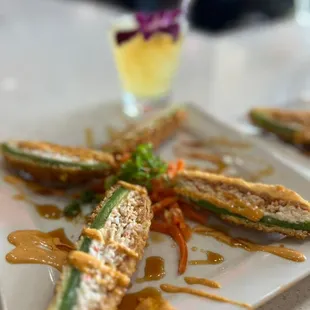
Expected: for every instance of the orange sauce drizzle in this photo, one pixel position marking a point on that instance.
(133, 300)
(202, 281)
(186, 290)
(50, 212)
(286, 253)
(36, 247)
(46, 211)
(154, 269)
(212, 259)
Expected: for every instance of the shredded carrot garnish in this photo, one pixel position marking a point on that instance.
(171, 171)
(175, 233)
(174, 168)
(163, 204)
(180, 165)
(175, 216)
(193, 215)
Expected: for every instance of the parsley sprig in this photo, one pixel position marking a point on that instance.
(141, 168)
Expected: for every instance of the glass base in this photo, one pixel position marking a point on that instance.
(134, 107)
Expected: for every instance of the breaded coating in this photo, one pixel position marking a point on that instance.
(269, 208)
(155, 131)
(113, 254)
(55, 164)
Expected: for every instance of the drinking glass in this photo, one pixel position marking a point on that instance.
(147, 59)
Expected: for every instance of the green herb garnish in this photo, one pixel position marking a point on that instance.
(74, 208)
(141, 168)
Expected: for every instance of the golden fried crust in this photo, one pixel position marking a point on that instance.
(273, 191)
(82, 153)
(298, 116)
(128, 266)
(52, 174)
(299, 234)
(154, 131)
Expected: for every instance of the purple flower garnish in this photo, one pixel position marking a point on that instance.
(164, 21)
(151, 23)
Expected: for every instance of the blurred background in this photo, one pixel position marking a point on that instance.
(218, 15)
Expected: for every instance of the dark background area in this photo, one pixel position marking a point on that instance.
(216, 15)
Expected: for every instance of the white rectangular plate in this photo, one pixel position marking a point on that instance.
(246, 277)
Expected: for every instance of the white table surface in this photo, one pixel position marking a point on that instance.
(55, 57)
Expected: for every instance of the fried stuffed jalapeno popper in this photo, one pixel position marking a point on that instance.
(52, 163)
(291, 126)
(270, 208)
(98, 273)
(154, 131)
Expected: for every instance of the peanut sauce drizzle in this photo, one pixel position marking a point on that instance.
(46, 211)
(196, 149)
(129, 186)
(212, 259)
(214, 141)
(154, 269)
(202, 281)
(177, 289)
(92, 234)
(86, 263)
(286, 253)
(36, 247)
(132, 301)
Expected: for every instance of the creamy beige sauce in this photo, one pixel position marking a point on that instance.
(154, 269)
(286, 253)
(36, 247)
(212, 259)
(186, 290)
(86, 263)
(202, 281)
(131, 301)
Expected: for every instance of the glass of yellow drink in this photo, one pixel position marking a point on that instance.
(147, 53)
